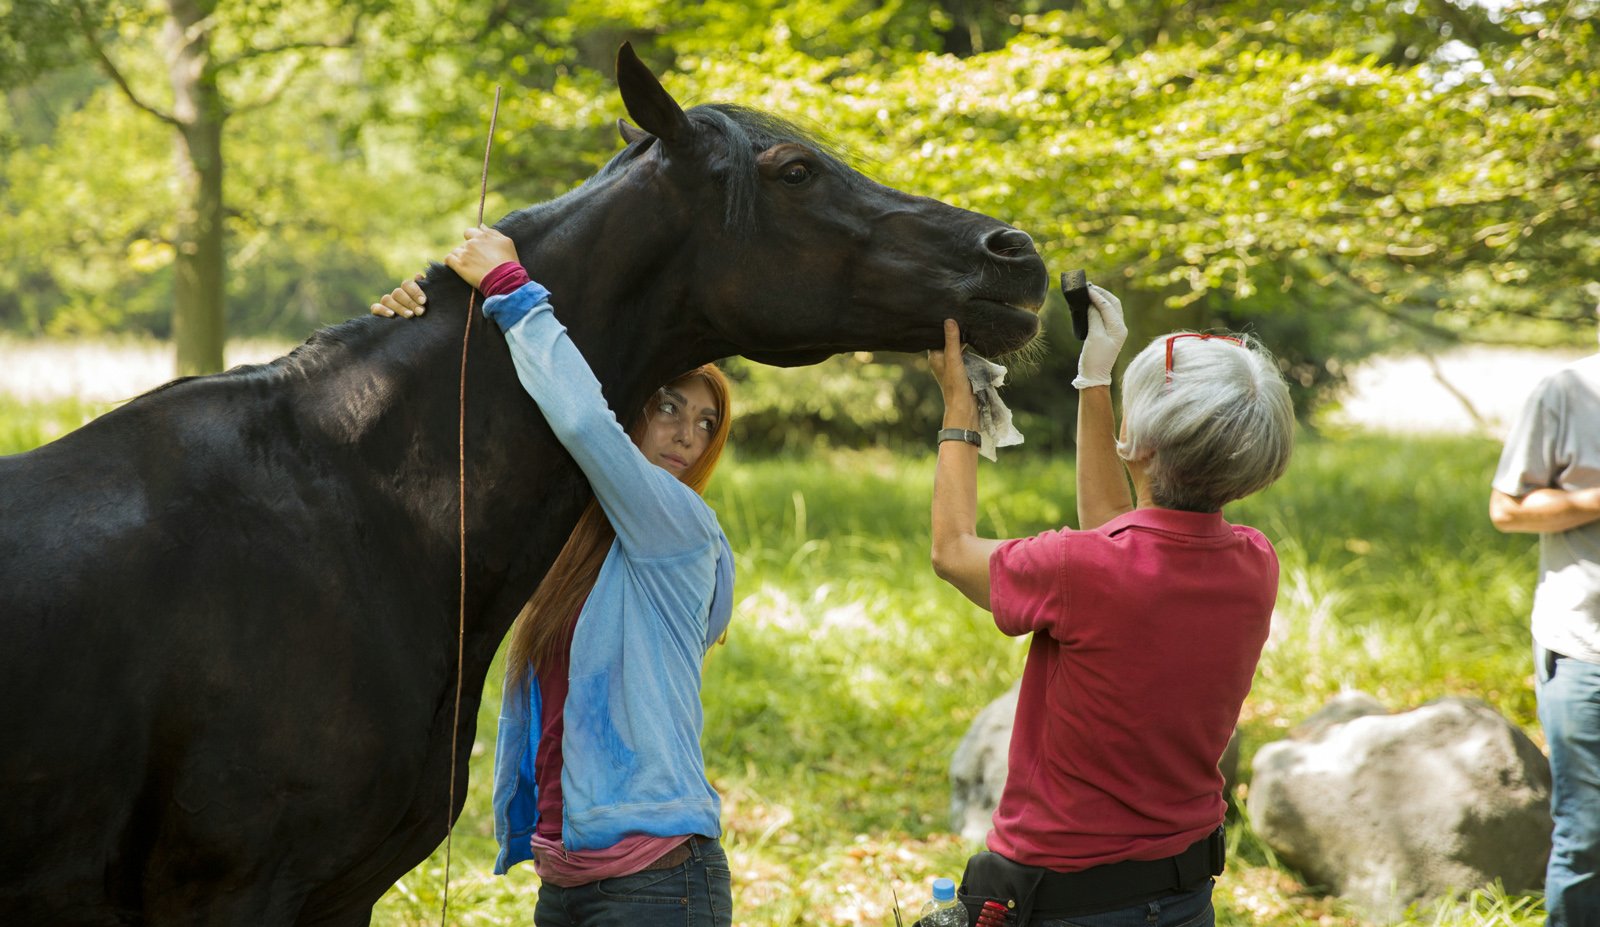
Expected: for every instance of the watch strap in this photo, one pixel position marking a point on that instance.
(961, 434)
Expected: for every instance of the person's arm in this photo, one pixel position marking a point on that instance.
(649, 508)
(960, 557)
(654, 514)
(1103, 491)
(1544, 511)
(1526, 495)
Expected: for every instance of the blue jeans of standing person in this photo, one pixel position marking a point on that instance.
(1569, 710)
(1189, 909)
(696, 893)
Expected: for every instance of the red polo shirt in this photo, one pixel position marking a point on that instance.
(1146, 632)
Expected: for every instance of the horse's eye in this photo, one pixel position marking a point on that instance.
(795, 173)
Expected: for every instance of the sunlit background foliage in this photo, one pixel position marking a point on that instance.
(1339, 175)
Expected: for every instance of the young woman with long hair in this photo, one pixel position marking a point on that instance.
(599, 778)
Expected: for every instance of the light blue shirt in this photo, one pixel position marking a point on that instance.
(631, 759)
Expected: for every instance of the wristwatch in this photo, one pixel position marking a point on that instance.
(961, 434)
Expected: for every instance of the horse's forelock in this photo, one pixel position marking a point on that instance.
(747, 132)
(763, 130)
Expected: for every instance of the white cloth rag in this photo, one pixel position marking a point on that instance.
(994, 419)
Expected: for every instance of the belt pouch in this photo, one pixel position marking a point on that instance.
(991, 876)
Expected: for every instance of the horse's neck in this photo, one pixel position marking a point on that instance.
(393, 392)
(390, 392)
(620, 301)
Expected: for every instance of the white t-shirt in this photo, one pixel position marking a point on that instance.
(1556, 445)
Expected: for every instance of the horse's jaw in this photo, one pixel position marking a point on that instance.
(789, 358)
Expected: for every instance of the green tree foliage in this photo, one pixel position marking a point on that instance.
(193, 65)
(1338, 175)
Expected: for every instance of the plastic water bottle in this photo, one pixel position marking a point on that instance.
(943, 910)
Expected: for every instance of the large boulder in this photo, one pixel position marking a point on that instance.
(978, 769)
(1388, 810)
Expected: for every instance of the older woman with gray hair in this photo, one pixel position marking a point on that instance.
(1146, 624)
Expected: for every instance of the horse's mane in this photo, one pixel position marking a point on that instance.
(326, 346)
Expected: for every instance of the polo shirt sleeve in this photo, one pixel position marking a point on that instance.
(1027, 588)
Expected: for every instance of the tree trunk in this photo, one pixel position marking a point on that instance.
(197, 298)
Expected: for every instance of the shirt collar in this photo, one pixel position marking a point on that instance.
(1195, 524)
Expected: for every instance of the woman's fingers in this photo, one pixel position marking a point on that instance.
(948, 365)
(405, 301)
(411, 294)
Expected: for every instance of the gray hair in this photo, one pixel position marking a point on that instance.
(1218, 429)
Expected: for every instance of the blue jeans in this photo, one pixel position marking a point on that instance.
(697, 893)
(1191, 909)
(1569, 710)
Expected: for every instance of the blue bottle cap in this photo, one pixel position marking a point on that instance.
(944, 890)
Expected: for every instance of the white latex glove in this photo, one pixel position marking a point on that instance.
(1107, 331)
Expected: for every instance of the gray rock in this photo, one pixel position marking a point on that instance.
(1388, 810)
(978, 769)
(1346, 706)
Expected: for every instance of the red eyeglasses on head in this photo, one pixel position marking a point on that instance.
(1203, 337)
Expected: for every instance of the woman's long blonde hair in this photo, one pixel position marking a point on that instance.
(538, 630)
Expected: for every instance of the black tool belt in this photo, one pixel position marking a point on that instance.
(1031, 892)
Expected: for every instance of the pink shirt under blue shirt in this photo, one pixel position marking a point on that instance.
(1146, 633)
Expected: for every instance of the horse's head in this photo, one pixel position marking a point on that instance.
(768, 245)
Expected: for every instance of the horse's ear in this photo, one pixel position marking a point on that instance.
(630, 133)
(647, 101)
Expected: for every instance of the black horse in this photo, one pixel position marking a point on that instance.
(228, 609)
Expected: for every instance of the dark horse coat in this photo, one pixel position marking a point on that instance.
(228, 609)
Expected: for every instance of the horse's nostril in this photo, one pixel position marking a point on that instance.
(1010, 243)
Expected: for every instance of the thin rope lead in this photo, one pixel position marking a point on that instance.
(461, 506)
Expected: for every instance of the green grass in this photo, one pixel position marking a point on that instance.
(851, 672)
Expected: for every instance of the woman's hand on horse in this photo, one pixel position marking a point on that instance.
(484, 250)
(950, 369)
(406, 300)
